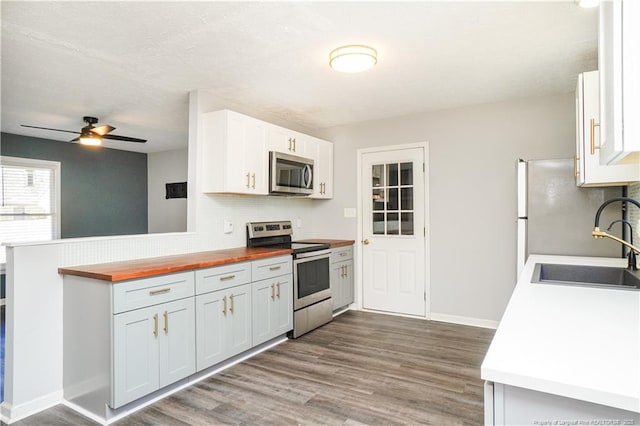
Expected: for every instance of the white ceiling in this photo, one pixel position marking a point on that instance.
(132, 63)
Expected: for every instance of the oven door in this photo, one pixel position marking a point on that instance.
(311, 278)
(290, 175)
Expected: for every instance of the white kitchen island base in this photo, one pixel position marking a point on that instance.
(568, 354)
(511, 405)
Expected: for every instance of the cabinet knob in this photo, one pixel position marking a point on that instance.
(365, 242)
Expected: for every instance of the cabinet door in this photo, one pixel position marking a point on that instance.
(280, 139)
(211, 314)
(255, 156)
(283, 313)
(323, 167)
(336, 284)
(177, 343)
(238, 327)
(348, 283)
(135, 355)
(589, 171)
(264, 295)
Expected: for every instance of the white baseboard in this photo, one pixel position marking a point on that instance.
(10, 414)
(456, 319)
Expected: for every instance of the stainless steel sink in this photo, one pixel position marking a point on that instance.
(589, 276)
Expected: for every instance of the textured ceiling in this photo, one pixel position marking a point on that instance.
(132, 63)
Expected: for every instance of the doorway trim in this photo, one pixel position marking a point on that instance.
(360, 219)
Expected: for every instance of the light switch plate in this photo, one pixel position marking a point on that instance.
(349, 212)
(228, 227)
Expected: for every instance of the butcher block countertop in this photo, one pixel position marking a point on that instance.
(332, 243)
(141, 268)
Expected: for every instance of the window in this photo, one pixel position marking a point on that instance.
(29, 200)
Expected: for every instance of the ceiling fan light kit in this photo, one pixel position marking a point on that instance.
(353, 58)
(92, 135)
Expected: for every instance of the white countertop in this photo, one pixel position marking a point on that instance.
(578, 342)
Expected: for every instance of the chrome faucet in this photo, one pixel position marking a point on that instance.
(633, 262)
(597, 233)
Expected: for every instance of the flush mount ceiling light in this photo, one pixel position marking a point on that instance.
(353, 58)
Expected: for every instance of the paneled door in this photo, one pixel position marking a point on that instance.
(394, 256)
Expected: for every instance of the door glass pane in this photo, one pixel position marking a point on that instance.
(378, 223)
(406, 174)
(392, 203)
(392, 174)
(406, 202)
(378, 199)
(392, 224)
(406, 226)
(392, 199)
(377, 175)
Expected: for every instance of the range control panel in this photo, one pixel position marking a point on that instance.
(269, 229)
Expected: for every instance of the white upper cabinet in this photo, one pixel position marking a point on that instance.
(288, 141)
(323, 169)
(234, 157)
(588, 170)
(619, 65)
(235, 154)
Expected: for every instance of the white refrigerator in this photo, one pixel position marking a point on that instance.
(556, 217)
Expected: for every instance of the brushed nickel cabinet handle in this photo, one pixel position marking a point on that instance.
(155, 325)
(275, 268)
(228, 277)
(289, 140)
(224, 306)
(294, 144)
(253, 181)
(273, 292)
(592, 134)
(231, 303)
(343, 253)
(166, 322)
(278, 292)
(159, 291)
(248, 177)
(576, 172)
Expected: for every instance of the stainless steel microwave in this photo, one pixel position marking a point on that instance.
(290, 174)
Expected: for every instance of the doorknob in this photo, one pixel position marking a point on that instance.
(365, 242)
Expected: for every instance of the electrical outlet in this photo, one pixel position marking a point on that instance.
(228, 227)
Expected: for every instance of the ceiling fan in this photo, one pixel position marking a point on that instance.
(92, 135)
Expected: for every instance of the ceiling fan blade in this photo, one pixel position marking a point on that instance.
(102, 130)
(123, 138)
(48, 128)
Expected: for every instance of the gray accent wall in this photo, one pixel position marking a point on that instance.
(103, 191)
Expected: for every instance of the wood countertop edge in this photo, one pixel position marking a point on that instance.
(332, 243)
(128, 270)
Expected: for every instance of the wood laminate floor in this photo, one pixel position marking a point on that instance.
(363, 368)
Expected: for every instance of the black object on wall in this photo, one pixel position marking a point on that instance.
(176, 190)
(103, 190)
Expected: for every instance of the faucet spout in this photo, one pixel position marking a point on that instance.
(597, 233)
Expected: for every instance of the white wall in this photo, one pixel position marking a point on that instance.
(162, 168)
(472, 173)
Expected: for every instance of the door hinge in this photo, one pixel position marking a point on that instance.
(423, 167)
(425, 296)
(425, 231)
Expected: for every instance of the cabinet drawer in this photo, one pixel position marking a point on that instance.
(221, 277)
(151, 291)
(341, 254)
(271, 267)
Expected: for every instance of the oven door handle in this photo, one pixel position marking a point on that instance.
(314, 254)
(307, 177)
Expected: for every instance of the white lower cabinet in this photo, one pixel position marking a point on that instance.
(125, 340)
(272, 308)
(341, 281)
(223, 321)
(152, 347)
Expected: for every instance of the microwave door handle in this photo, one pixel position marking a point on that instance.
(309, 176)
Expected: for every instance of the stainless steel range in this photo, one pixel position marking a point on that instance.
(312, 304)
